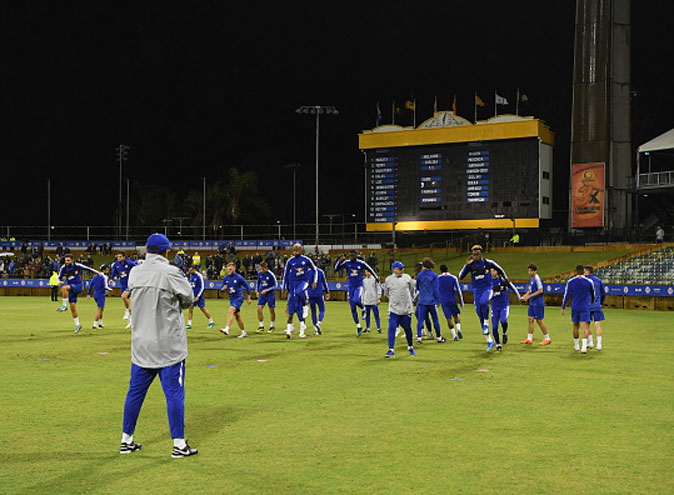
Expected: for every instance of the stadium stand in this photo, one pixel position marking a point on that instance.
(654, 267)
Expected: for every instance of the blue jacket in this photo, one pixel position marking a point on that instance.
(599, 292)
(500, 287)
(234, 285)
(197, 283)
(480, 275)
(99, 284)
(299, 270)
(121, 270)
(427, 286)
(265, 281)
(354, 270)
(321, 286)
(449, 288)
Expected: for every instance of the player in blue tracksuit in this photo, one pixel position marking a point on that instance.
(415, 299)
(354, 270)
(120, 270)
(449, 288)
(317, 298)
(234, 284)
(536, 311)
(429, 298)
(266, 295)
(596, 313)
(500, 306)
(581, 291)
(197, 282)
(479, 267)
(98, 285)
(71, 280)
(300, 273)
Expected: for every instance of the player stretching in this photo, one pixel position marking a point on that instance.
(536, 306)
(482, 290)
(449, 288)
(581, 291)
(99, 284)
(317, 298)
(72, 286)
(596, 313)
(120, 270)
(266, 295)
(399, 289)
(429, 299)
(354, 269)
(500, 306)
(371, 300)
(300, 272)
(234, 284)
(197, 283)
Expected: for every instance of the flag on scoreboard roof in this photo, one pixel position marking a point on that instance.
(500, 100)
(409, 105)
(435, 105)
(379, 117)
(478, 101)
(454, 105)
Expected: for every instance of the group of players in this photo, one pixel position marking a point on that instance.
(307, 290)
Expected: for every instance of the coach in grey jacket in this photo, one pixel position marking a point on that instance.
(399, 288)
(159, 293)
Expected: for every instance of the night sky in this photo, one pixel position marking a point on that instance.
(197, 87)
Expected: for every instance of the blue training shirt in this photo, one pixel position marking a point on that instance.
(99, 284)
(72, 273)
(234, 285)
(500, 287)
(599, 291)
(265, 281)
(354, 270)
(581, 291)
(121, 270)
(299, 269)
(480, 275)
(449, 288)
(536, 284)
(197, 283)
(321, 286)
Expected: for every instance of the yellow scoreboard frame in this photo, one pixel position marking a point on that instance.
(459, 130)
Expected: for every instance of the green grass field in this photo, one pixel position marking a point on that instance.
(330, 415)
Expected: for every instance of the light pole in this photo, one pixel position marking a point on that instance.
(294, 167)
(122, 156)
(331, 217)
(317, 110)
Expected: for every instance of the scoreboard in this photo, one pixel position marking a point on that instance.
(428, 186)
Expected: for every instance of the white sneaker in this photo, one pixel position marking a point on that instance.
(576, 348)
(224, 330)
(303, 336)
(423, 332)
(590, 346)
(598, 348)
(288, 333)
(126, 316)
(128, 325)
(583, 350)
(243, 335)
(397, 331)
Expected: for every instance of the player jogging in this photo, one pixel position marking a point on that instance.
(300, 272)
(596, 313)
(449, 288)
(120, 270)
(317, 298)
(234, 284)
(99, 284)
(429, 299)
(581, 291)
(197, 283)
(536, 311)
(266, 295)
(482, 289)
(371, 299)
(72, 285)
(354, 269)
(399, 289)
(500, 306)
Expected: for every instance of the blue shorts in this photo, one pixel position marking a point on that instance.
(236, 302)
(597, 314)
(577, 315)
(100, 301)
(450, 309)
(355, 295)
(75, 290)
(537, 311)
(200, 303)
(268, 298)
(123, 285)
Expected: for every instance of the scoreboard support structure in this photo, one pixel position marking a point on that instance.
(495, 174)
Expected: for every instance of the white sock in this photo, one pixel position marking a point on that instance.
(291, 328)
(77, 320)
(271, 325)
(127, 438)
(584, 348)
(358, 326)
(453, 332)
(530, 336)
(189, 322)
(95, 323)
(598, 340)
(303, 327)
(227, 329)
(243, 332)
(458, 327)
(590, 340)
(488, 337)
(576, 343)
(546, 337)
(261, 323)
(100, 322)
(179, 442)
(210, 320)
(126, 311)
(65, 302)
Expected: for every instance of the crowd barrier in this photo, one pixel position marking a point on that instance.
(280, 244)
(611, 290)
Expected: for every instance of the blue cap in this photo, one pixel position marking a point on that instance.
(157, 243)
(398, 264)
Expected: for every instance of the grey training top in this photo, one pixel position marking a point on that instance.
(371, 291)
(159, 293)
(399, 290)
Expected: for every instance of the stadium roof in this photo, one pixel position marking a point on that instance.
(662, 142)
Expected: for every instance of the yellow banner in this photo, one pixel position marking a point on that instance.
(587, 195)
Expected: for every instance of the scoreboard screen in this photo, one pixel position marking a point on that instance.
(458, 181)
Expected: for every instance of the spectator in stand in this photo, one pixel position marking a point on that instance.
(373, 261)
(659, 235)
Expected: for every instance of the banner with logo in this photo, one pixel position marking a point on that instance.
(587, 195)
